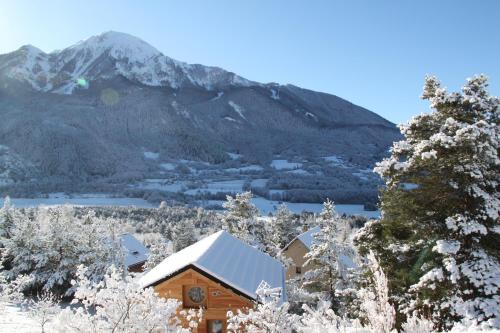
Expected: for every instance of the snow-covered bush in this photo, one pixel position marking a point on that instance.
(375, 306)
(43, 308)
(50, 244)
(269, 315)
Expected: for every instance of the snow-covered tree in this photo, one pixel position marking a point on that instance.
(270, 315)
(325, 276)
(120, 304)
(6, 219)
(241, 219)
(416, 324)
(49, 246)
(159, 249)
(438, 238)
(282, 226)
(375, 305)
(323, 319)
(43, 309)
(184, 234)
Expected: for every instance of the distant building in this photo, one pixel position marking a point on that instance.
(136, 254)
(219, 273)
(296, 250)
(300, 246)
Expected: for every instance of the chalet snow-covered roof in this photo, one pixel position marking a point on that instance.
(228, 260)
(135, 251)
(306, 238)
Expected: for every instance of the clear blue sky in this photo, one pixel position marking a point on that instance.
(373, 53)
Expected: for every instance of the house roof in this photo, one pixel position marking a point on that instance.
(306, 238)
(228, 260)
(135, 251)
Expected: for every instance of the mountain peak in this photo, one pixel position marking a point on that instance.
(120, 45)
(107, 55)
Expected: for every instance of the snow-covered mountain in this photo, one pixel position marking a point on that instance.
(104, 56)
(114, 109)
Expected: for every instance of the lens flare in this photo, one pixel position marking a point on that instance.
(82, 82)
(109, 96)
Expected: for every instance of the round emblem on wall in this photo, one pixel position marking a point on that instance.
(196, 294)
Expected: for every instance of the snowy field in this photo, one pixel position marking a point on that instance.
(266, 206)
(228, 186)
(13, 319)
(284, 165)
(161, 185)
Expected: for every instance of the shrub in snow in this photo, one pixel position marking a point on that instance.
(415, 324)
(375, 306)
(269, 315)
(43, 309)
(120, 304)
(323, 319)
(439, 239)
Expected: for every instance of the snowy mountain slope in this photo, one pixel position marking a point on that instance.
(108, 55)
(89, 113)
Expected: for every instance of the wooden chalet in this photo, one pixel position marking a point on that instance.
(219, 273)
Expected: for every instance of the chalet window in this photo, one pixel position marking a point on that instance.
(215, 326)
(298, 269)
(194, 296)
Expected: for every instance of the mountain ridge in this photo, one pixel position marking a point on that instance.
(97, 111)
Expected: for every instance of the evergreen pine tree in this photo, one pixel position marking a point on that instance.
(438, 238)
(325, 276)
(240, 219)
(282, 230)
(184, 234)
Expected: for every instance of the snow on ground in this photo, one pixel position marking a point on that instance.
(219, 95)
(13, 319)
(151, 155)
(168, 166)
(299, 172)
(161, 185)
(266, 206)
(238, 109)
(234, 186)
(335, 160)
(274, 94)
(259, 182)
(253, 167)
(284, 165)
(234, 156)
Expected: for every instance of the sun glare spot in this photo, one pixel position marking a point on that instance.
(109, 96)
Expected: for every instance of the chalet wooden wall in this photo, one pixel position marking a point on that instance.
(220, 299)
(296, 251)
